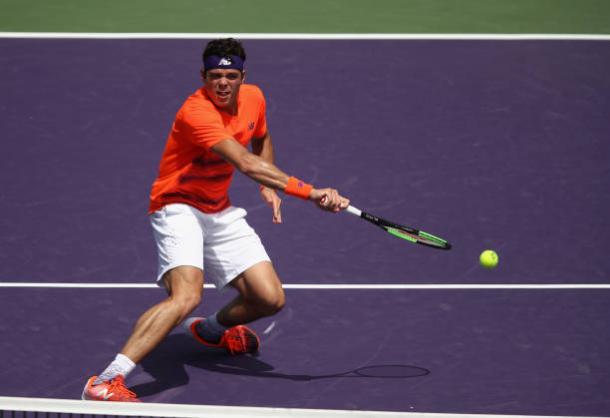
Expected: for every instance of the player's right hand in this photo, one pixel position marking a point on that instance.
(329, 199)
(273, 200)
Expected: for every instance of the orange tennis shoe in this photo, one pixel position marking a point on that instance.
(236, 340)
(111, 390)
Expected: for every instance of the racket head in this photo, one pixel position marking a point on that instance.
(406, 233)
(417, 237)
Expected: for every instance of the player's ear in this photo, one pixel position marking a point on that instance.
(202, 73)
(243, 76)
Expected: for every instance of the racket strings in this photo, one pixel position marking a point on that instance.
(401, 233)
(418, 237)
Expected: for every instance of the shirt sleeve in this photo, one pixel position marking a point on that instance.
(203, 126)
(261, 122)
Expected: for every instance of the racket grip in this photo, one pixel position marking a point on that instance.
(354, 211)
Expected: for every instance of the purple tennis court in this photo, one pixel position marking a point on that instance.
(491, 144)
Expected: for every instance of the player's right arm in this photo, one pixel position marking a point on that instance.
(268, 174)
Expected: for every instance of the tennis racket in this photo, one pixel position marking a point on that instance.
(400, 231)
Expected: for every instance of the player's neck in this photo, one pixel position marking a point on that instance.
(231, 110)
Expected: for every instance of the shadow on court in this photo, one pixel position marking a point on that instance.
(166, 365)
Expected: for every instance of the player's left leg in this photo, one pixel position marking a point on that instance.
(234, 256)
(260, 294)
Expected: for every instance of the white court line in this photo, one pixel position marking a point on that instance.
(314, 36)
(209, 411)
(336, 286)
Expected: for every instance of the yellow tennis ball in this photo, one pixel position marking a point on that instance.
(489, 259)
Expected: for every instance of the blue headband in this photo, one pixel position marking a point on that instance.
(227, 62)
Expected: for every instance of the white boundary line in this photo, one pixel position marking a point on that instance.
(209, 411)
(321, 286)
(313, 36)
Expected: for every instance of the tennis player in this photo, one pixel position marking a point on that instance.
(197, 229)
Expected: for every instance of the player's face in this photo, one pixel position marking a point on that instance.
(223, 86)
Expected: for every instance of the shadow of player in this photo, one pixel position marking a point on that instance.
(166, 365)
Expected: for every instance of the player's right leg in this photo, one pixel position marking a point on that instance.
(184, 285)
(179, 241)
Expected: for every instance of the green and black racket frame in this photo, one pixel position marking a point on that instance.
(400, 231)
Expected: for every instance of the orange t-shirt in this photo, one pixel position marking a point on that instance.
(190, 172)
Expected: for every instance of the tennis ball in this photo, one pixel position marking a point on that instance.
(489, 259)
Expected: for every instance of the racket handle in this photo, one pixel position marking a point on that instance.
(351, 209)
(354, 211)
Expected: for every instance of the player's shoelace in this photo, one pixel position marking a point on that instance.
(240, 340)
(117, 386)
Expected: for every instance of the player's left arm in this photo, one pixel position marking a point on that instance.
(263, 147)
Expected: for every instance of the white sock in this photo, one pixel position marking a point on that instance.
(210, 329)
(122, 365)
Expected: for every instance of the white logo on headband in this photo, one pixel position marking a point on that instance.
(225, 61)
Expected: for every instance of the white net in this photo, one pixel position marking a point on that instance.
(58, 408)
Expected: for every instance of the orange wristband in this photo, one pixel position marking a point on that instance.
(298, 188)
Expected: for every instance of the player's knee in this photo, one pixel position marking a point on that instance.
(192, 301)
(186, 299)
(185, 287)
(272, 302)
(186, 303)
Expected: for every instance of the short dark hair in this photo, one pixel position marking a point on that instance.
(224, 48)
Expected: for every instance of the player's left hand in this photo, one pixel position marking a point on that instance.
(273, 200)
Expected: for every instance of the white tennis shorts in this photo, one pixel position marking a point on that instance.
(221, 244)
